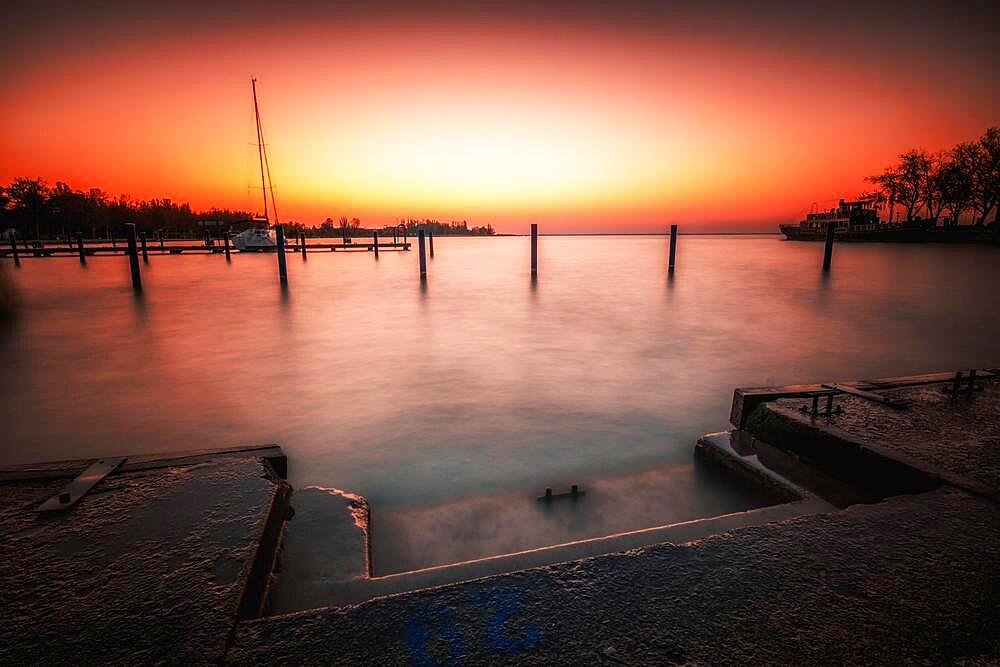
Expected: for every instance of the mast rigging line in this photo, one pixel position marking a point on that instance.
(265, 166)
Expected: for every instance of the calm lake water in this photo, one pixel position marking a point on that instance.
(450, 406)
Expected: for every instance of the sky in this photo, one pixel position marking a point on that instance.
(582, 117)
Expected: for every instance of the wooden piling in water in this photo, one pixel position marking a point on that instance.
(279, 233)
(534, 249)
(673, 248)
(142, 240)
(828, 249)
(133, 257)
(79, 247)
(430, 242)
(13, 249)
(160, 232)
(228, 237)
(375, 243)
(302, 243)
(423, 259)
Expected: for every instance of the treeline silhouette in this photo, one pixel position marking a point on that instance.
(348, 228)
(36, 210)
(961, 181)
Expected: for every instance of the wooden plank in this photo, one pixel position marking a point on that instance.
(869, 395)
(71, 494)
(71, 468)
(746, 399)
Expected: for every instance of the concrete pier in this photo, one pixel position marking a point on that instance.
(880, 548)
(156, 564)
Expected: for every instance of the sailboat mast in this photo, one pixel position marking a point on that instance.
(260, 145)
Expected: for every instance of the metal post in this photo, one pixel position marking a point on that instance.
(375, 243)
(133, 257)
(430, 241)
(13, 249)
(79, 247)
(423, 259)
(828, 250)
(279, 232)
(534, 249)
(302, 243)
(673, 248)
(142, 241)
(228, 235)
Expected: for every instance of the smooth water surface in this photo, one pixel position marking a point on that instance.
(479, 383)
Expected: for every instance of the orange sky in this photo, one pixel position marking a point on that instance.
(581, 121)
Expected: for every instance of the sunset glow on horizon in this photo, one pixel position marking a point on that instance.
(597, 122)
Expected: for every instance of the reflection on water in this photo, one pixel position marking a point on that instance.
(478, 383)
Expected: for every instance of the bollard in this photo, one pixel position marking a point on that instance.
(133, 257)
(673, 248)
(534, 249)
(302, 243)
(430, 241)
(79, 247)
(375, 243)
(423, 259)
(279, 233)
(13, 249)
(228, 235)
(828, 250)
(145, 255)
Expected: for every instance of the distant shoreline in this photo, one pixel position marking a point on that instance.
(679, 233)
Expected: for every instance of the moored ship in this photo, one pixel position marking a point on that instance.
(858, 221)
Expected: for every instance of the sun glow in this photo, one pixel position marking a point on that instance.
(504, 122)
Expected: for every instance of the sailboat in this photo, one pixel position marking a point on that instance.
(259, 238)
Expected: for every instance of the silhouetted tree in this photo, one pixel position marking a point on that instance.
(986, 174)
(963, 179)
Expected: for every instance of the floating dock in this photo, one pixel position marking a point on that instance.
(882, 548)
(54, 249)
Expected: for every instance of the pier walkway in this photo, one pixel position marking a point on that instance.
(57, 249)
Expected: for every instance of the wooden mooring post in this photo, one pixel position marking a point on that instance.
(279, 233)
(13, 248)
(142, 241)
(423, 259)
(133, 257)
(828, 248)
(673, 248)
(160, 232)
(228, 237)
(79, 247)
(375, 243)
(430, 242)
(534, 249)
(302, 243)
